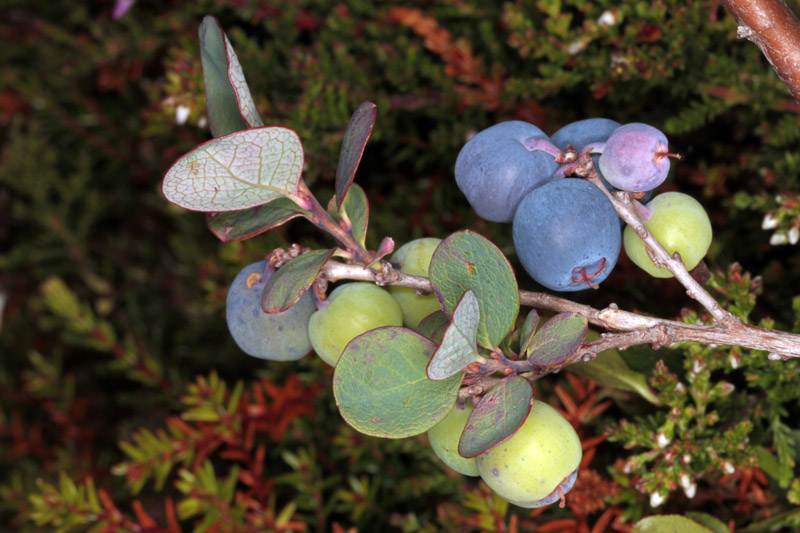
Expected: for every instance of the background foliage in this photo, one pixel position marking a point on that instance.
(124, 403)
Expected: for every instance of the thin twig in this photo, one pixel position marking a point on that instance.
(629, 329)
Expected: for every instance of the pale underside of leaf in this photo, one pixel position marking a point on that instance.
(237, 171)
(247, 106)
(458, 347)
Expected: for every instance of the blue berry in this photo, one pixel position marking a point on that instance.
(583, 132)
(567, 235)
(495, 171)
(277, 337)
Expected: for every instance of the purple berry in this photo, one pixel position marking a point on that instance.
(635, 158)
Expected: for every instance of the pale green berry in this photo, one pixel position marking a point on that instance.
(444, 437)
(528, 468)
(353, 309)
(414, 258)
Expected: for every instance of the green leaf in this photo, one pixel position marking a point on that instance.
(668, 524)
(711, 522)
(355, 209)
(610, 370)
(230, 105)
(528, 329)
(381, 387)
(433, 326)
(355, 139)
(237, 171)
(557, 339)
(497, 416)
(467, 261)
(785, 449)
(292, 280)
(232, 226)
(457, 348)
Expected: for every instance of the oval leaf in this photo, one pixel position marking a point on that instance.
(231, 226)
(528, 329)
(457, 348)
(381, 388)
(467, 261)
(668, 523)
(223, 106)
(355, 209)
(610, 370)
(355, 139)
(557, 339)
(237, 171)
(293, 279)
(497, 416)
(247, 107)
(433, 326)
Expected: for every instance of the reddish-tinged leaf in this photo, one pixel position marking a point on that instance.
(528, 329)
(497, 416)
(232, 226)
(557, 339)
(457, 348)
(355, 139)
(293, 279)
(230, 105)
(237, 171)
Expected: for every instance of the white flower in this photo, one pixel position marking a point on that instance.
(181, 114)
(689, 486)
(662, 440)
(608, 18)
(656, 499)
(794, 234)
(778, 238)
(770, 221)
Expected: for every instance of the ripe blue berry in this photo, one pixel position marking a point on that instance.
(583, 132)
(277, 337)
(495, 171)
(567, 235)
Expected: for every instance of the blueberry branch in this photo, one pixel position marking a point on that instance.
(628, 329)
(628, 210)
(323, 220)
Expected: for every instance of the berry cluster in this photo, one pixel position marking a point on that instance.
(566, 231)
(535, 467)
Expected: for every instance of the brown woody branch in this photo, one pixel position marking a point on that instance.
(772, 26)
(629, 329)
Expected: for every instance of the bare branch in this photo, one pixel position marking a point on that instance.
(772, 26)
(632, 328)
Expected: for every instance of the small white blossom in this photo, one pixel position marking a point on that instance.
(687, 458)
(656, 499)
(770, 221)
(794, 235)
(778, 238)
(576, 46)
(734, 361)
(608, 18)
(662, 440)
(181, 114)
(728, 468)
